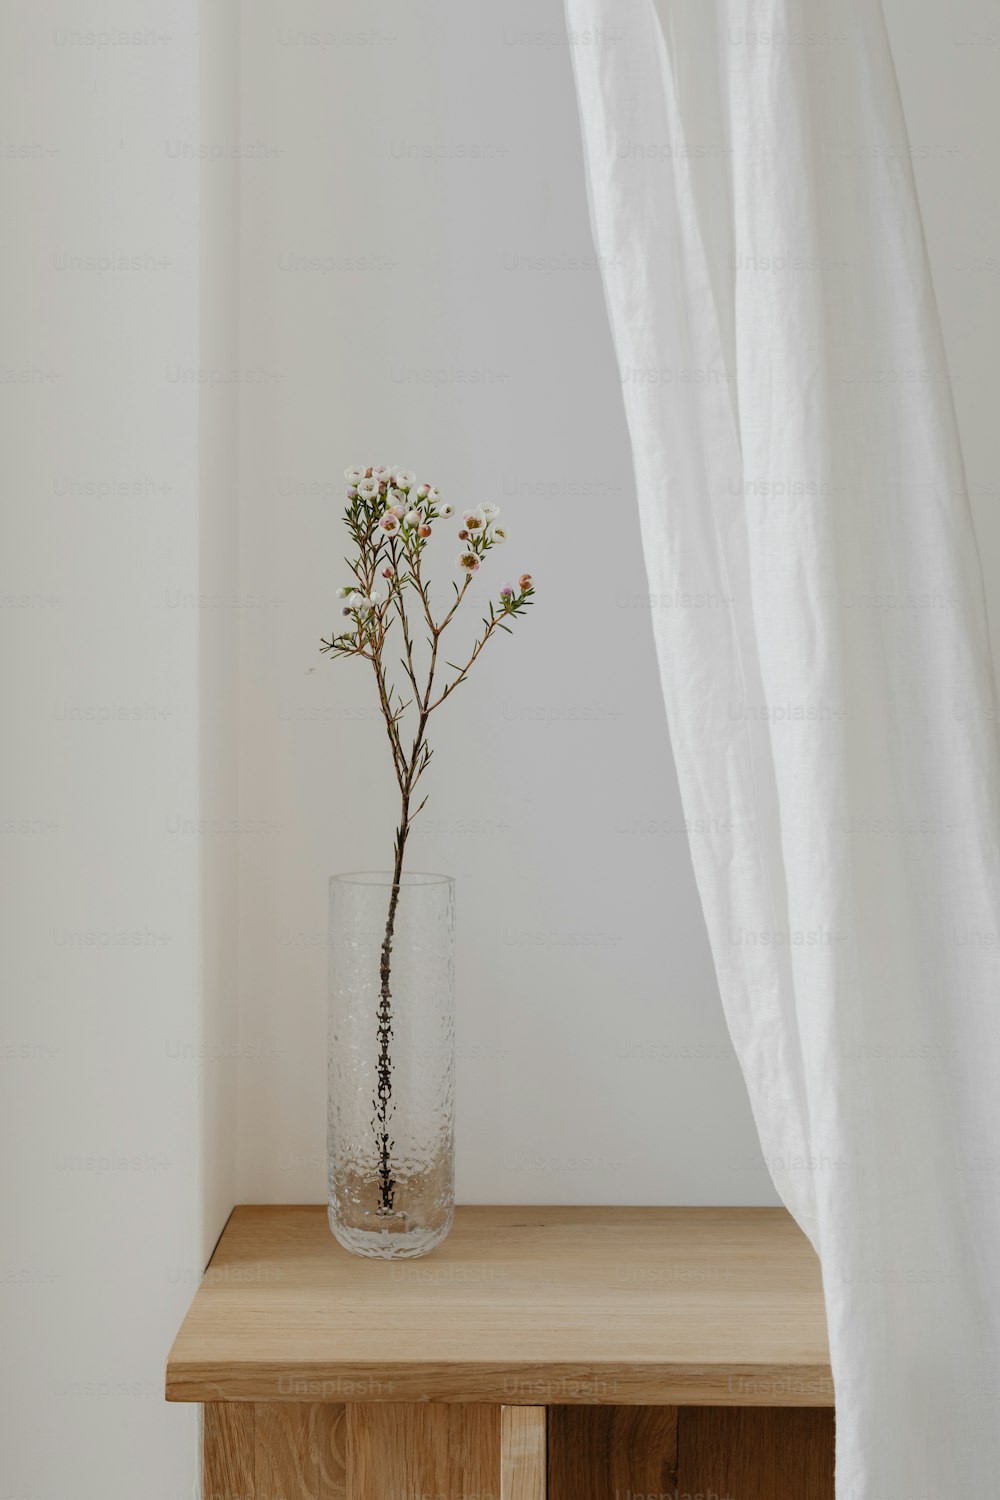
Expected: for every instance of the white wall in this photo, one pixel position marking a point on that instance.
(420, 287)
(114, 1181)
(219, 586)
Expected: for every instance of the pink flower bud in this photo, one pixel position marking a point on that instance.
(463, 535)
(388, 570)
(425, 531)
(524, 582)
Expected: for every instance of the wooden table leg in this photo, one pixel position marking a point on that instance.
(273, 1451)
(422, 1450)
(302, 1451)
(523, 1452)
(227, 1452)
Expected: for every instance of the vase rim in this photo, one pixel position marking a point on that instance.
(384, 878)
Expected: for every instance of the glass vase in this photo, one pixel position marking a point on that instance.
(391, 1063)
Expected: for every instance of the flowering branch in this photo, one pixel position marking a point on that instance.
(390, 519)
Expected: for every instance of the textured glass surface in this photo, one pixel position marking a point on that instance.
(391, 1072)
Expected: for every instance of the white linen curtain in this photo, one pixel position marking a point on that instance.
(823, 651)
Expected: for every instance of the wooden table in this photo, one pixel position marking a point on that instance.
(582, 1353)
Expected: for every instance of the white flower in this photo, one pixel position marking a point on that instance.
(488, 512)
(380, 471)
(344, 590)
(446, 511)
(468, 562)
(354, 476)
(499, 533)
(405, 479)
(397, 497)
(374, 598)
(433, 495)
(389, 523)
(368, 489)
(423, 492)
(412, 518)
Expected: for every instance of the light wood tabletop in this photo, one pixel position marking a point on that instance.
(520, 1306)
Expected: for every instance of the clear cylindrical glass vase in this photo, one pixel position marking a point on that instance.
(391, 1063)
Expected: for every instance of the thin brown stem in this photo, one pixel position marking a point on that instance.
(464, 671)
(383, 1066)
(391, 722)
(383, 1098)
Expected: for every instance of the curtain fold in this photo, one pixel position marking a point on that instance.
(823, 650)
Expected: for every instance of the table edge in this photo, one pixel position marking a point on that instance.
(525, 1384)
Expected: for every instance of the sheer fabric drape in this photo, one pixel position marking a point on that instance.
(824, 660)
